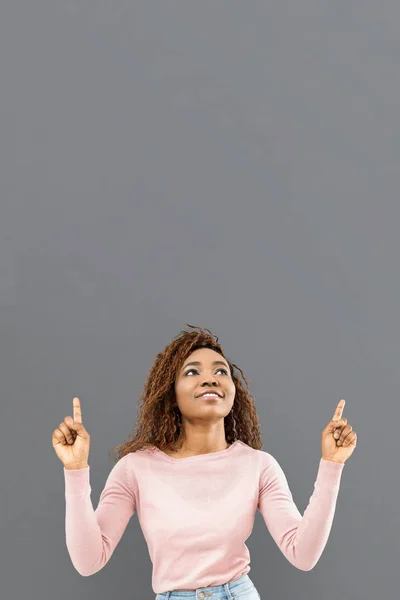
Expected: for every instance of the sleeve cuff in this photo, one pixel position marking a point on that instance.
(77, 481)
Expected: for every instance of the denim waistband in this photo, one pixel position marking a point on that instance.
(217, 592)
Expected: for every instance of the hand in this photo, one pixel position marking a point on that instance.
(71, 441)
(338, 438)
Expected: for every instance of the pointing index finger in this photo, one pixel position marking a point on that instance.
(77, 410)
(339, 411)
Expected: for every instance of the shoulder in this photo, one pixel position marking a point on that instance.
(266, 463)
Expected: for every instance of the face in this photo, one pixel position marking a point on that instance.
(192, 380)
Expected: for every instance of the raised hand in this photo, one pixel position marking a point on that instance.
(338, 438)
(71, 441)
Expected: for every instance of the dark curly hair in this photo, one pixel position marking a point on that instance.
(159, 421)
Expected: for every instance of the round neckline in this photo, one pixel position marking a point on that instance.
(206, 455)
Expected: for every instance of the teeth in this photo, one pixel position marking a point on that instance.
(210, 396)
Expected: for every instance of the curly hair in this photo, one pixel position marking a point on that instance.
(160, 421)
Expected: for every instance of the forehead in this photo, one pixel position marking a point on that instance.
(204, 355)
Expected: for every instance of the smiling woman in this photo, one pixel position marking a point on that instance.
(210, 386)
(172, 416)
(195, 474)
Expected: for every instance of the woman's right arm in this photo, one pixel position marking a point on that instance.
(92, 535)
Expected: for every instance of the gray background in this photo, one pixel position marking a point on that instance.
(233, 165)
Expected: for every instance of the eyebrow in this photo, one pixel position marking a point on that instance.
(215, 362)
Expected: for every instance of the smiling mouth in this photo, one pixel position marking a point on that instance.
(210, 397)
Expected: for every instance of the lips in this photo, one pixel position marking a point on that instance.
(211, 392)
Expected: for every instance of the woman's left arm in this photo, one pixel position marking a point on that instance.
(302, 539)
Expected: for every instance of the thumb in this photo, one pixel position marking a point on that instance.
(74, 425)
(332, 425)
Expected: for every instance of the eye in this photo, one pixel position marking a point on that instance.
(195, 371)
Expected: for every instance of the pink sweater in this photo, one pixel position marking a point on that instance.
(196, 514)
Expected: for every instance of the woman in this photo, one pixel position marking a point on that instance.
(195, 474)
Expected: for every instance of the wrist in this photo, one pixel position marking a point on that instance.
(339, 462)
(76, 467)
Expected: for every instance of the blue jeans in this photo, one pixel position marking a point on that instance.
(239, 589)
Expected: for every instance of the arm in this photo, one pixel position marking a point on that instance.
(92, 535)
(301, 539)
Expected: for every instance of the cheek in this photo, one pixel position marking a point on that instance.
(183, 386)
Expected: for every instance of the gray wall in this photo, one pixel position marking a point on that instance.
(233, 165)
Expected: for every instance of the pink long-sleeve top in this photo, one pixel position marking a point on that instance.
(196, 514)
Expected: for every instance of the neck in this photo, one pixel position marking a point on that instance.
(193, 448)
